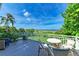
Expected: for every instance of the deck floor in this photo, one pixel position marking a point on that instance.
(22, 48)
(27, 48)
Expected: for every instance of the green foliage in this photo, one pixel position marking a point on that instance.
(71, 19)
(59, 32)
(64, 40)
(39, 38)
(14, 36)
(7, 31)
(12, 33)
(21, 30)
(77, 34)
(6, 20)
(30, 32)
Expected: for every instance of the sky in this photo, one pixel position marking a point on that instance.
(35, 15)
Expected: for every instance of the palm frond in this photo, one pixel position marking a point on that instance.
(10, 18)
(2, 20)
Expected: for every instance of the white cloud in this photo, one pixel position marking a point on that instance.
(28, 19)
(26, 14)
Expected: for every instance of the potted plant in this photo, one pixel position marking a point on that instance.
(2, 43)
(7, 38)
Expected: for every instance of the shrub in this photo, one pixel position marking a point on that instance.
(77, 34)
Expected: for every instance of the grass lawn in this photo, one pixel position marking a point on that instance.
(39, 38)
(43, 38)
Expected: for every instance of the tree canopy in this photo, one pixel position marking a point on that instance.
(71, 19)
(7, 20)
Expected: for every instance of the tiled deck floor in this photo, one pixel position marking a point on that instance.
(22, 48)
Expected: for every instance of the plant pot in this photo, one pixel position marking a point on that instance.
(2, 44)
(7, 41)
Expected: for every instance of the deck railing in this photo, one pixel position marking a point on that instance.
(63, 38)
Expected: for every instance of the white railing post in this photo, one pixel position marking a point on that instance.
(76, 43)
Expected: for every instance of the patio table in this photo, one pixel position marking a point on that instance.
(54, 42)
(57, 48)
(58, 51)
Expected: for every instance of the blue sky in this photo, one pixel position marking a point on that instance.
(36, 16)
